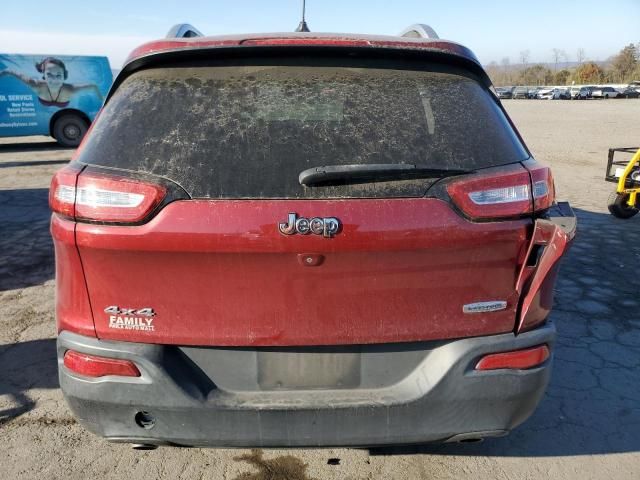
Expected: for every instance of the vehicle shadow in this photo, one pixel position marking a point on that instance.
(31, 147)
(26, 366)
(26, 249)
(592, 405)
(34, 163)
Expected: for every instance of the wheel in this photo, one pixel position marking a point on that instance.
(69, 130)
(606, 97)
(618, 206)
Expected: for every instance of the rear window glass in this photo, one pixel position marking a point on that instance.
(248, 131)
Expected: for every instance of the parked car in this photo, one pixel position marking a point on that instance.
(533, 92)
(590, 89)
(54, 95)
(505, 92)
(584, 93)
(545, 93)
(605, 92)
(580, 93)
(520, 92)
(292, 240)
(629, 93)
(554, 94)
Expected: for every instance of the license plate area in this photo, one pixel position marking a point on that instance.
(308, 369)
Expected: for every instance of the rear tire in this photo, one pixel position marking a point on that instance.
(618, 206)
(69, 129)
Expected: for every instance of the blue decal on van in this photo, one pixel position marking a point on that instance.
(33, 88)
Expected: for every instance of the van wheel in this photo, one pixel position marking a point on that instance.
(619, 207)
(69, 130)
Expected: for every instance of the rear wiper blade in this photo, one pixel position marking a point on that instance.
(375, 172)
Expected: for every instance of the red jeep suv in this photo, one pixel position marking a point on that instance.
(304, 240)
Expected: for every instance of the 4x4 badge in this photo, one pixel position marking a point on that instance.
(326, 226)
(131, 318)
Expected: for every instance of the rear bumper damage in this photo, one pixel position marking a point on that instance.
(362, 395)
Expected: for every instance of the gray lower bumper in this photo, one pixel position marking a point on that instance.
(381, 395)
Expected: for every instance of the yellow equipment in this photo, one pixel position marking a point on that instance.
(624, 202)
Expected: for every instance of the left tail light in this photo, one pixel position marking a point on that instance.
(103, 197)
(62, 193)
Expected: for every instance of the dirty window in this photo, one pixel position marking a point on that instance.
(248, 131)
(274, 103)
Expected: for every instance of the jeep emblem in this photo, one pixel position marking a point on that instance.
(327, 226)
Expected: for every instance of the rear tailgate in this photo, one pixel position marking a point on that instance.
(214, 268)
(220, 273)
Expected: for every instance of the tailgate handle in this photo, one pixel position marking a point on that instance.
(554, 241)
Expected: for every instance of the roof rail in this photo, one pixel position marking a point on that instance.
(184, 30)
(419, 30)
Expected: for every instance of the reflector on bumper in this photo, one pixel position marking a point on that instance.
(516, 360)
(93, 366)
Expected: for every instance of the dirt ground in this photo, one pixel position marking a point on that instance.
(585, 428)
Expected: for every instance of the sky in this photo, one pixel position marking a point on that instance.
(492, 29)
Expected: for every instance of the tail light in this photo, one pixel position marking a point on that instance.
(494, 194)
(62, 192)
(510, 191)
(543, 187)
(515, 360)
(93, 366)
(103, 197)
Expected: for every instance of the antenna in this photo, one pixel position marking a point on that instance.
(302, 26)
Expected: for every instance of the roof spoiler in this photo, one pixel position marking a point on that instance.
(184, 30)
(419, 30)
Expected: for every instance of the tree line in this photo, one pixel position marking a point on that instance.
(621, 68)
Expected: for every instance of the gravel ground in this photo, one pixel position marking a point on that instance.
(586, 426)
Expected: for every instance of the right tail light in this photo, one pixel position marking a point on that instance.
(543, 187)
(508, 192)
